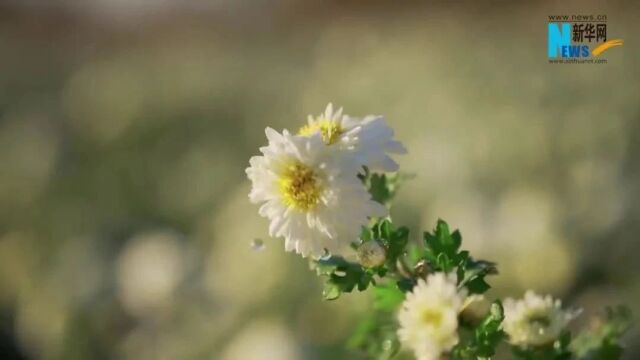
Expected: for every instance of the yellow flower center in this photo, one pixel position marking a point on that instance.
(330, 130)
(432, 317)
(299, 187)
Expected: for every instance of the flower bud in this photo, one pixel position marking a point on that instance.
(422, 269)
(371, 254)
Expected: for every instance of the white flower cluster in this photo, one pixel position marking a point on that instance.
(307, 182)
(429, 317)
(535, 320)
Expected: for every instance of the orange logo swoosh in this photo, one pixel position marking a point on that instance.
(605, 46)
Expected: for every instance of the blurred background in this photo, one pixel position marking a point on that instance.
(126, 126)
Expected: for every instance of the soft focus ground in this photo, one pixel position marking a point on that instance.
(125, 128)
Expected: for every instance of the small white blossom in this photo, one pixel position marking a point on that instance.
(370, 139)
(310, 193)
(429, 316)
(535, 320)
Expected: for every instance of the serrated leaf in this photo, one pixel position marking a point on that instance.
(478, 286)
(399, 239)
(443, 262)
(489, 333)
(456, 240)
(379, 189)
(486, 337)
(443, 246)
(473, 274)
(343, 276)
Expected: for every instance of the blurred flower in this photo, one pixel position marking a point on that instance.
(596, 194)
(103, 99)
(41, 320)
(149, 270)
(532, 215)
(187, 183)
(311, 193)
(370, 138)
(263, 339)
(17, 265)
(30, 148)
(429, 316)
(332, 320)
(78, 270)
(535, 320)
(233, 283)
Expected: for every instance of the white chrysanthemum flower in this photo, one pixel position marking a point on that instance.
(310, 193)
(535, 320)
(429, 316)
(370, 139)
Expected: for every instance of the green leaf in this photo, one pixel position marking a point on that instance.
(376, 336)
(455, 240)
(382, 187)
(364, 281)
(604, 340)
(405, 285)
(444, 254)
(366, 234)
(331, 291)
(478, 286)
(486, 337)
(394, 240)
(444, 263)
(396, 247)
(385, 230)
(343, 276)
(379, 188)
(489, 333)
(387, 297)
(442, 246)
(472, 273)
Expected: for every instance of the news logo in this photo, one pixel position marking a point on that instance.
(578, 37)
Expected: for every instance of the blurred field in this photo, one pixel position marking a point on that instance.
(125, 128)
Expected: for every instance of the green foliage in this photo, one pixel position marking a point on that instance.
(442, 247)
(472, 273)
(486, 337)
(343, 276)
(602, 342)
(375, 336)
(406, 285)
(387, 297)
(443, 252)
(558, 350)
(394, 240)
(382, 187)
